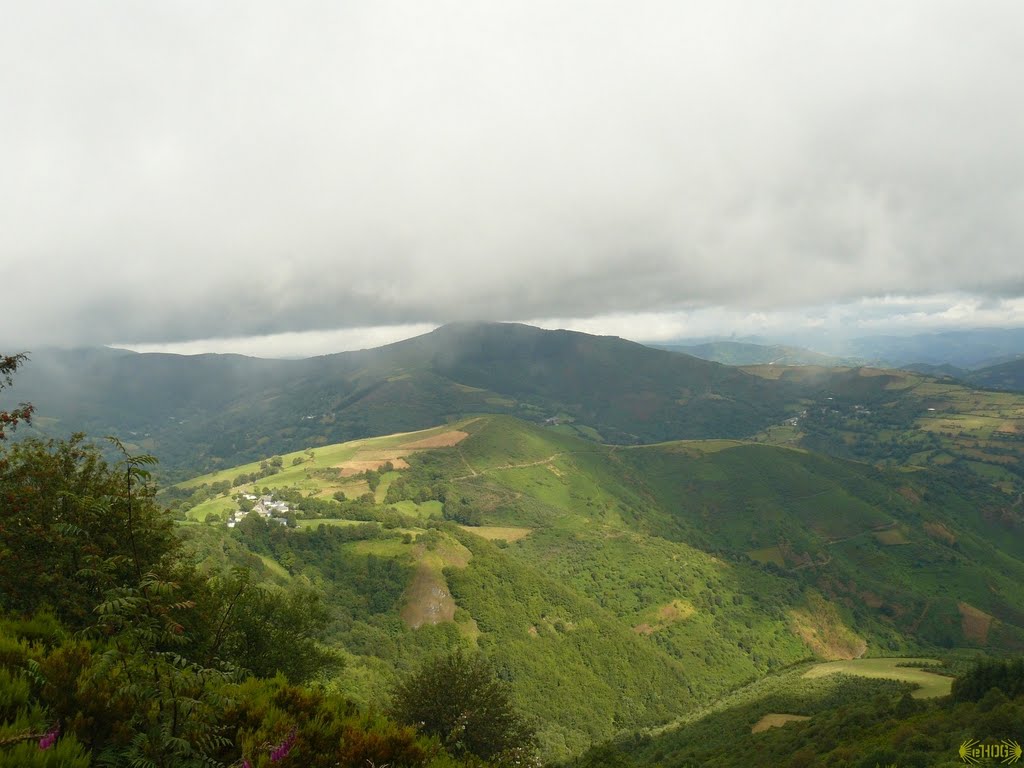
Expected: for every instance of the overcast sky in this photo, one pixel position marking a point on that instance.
(318, 174)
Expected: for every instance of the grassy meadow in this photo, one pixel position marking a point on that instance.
(929, 685)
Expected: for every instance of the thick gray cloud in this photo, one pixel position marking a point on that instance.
(187, 170)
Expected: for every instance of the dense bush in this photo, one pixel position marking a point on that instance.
(460, 700)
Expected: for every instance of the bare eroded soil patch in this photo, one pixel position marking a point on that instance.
(940, 532)
(670, 613)
(891, 537)
(909, 494)
(443, 440)
(975, 623)
(356, 466)
(822, 630)
(775, 720)
(428, 600)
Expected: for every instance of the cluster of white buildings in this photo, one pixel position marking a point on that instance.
(266, 507)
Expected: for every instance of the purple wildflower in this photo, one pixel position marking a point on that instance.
(50, 737)
(280, 752)
(246, 763)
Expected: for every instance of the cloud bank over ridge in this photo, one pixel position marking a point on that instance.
(190, 171)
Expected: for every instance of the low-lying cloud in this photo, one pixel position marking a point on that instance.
(181, 171)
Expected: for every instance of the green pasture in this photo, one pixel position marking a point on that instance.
(424, 510)
(222, 505)
(315, 523)
(324, 456)
(930, 685)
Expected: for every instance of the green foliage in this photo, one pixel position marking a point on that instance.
(460, 700)
(23, 413)
(270, 631)
(899, 418)
(578, 670)
(115, 651)
(1003, 376)
(634, 585)
(117, 709)
(68, 512)
(21, 737)
(1007, 676)
(852, 724)
(635, 596)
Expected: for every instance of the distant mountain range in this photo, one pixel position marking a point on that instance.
(746, 353)
(1008, 376)
(970, 349)
(992, 359)
(963, 350)
(197, 413)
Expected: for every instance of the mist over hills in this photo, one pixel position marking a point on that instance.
(969, 348)
(196, 411)
(201, 412)
(986, 358)
(1009, 376)
(747, 353)
(955, 350)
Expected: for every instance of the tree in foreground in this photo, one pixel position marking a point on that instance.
(460, 700)
(9, 419)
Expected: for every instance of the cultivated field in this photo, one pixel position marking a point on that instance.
(930, 684)
(497, 532)
(775, 720)
(325, 470)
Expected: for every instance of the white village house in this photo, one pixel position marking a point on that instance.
(266, 507)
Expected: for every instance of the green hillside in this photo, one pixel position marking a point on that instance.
(214, 411)
(618, 588)
(204, 411)
(1008, 376)
(901, 418)
(792, 719)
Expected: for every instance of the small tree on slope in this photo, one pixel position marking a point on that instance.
(460, 700)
